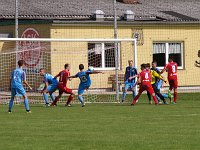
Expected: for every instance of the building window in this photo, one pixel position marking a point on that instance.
(101, 55)
(162, 51)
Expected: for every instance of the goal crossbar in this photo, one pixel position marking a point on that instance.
(67, 40)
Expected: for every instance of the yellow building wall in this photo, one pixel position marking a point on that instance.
(167, 33)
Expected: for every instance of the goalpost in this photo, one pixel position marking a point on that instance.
(52, 54)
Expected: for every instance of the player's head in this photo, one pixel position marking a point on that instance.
(171, 59)
(81, 67)
(143, 66)
(154, 64)
(198, 53)
(148, 66)
(67, 66)
(21, 63)
(130, 63)
(42, 71)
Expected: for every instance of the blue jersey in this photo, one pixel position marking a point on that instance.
(17, 77)
(84, 77)
(50, 79)
(129, 73)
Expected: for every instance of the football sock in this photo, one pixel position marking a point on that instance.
(11, 105)
(80, 98)
(165, 95)
(52, 97)
(155, 99)
(175, 96)
(69, 99)
(45, 98)
(26, 104)
(123, 96)
(134, 94)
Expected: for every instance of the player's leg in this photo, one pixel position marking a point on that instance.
(46, 97)
(80, 95)
(51, 89)
(175, 86)
(126, 86)
(132, 87)
(11, 102)
(137, 96)
(149, 97)
(54, 103)
(151, 91)
(157, 92)
(71, 96)
(23, 93)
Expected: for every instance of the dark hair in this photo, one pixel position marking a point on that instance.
(42, 69)
(81, 66)
(21, 63)
(171, 58)
(154, 61)
(148, 65)
(66, 65)
(143, 65)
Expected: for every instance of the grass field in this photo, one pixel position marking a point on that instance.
(103, 126)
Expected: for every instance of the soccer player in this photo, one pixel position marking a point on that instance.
(144, 78)
(129, 77)
(18, 76)
(49, 87)
(171, 68)
(85, 82)
(155, 76)
(62, 85)
(159, 83)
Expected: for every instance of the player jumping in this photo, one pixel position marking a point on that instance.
(49, 87)
(85, 81)
(62, 85)
(144, 79)
(171, 68)
(18, 76)
(129, 77)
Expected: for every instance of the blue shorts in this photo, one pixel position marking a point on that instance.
(159, 84)
(128, 85)
(52, 88)
(18, 91)
(82, 87)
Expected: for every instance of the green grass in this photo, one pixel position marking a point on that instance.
(103, 126)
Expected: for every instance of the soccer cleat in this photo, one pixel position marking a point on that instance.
(9, 111)
(150, 102)
(28, 111)
(166, 103)
(47, 105)
(160, 102)
(69, 105)
(174, 103)
(83, 105)
(132, 104)
(53, 104)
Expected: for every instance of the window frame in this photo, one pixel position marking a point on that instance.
(167, 52)
(103, 56)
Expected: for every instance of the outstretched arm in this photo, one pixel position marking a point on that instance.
(94, 72)
(27, 84)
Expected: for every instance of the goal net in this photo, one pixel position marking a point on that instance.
(102, 54)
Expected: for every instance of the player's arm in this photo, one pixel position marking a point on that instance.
(93, 72)
(75, 76)
(164, 69)
(27, 84)
(57, 76)
(154, 73)
(135, 76)
(24, 80)
(138, 80)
